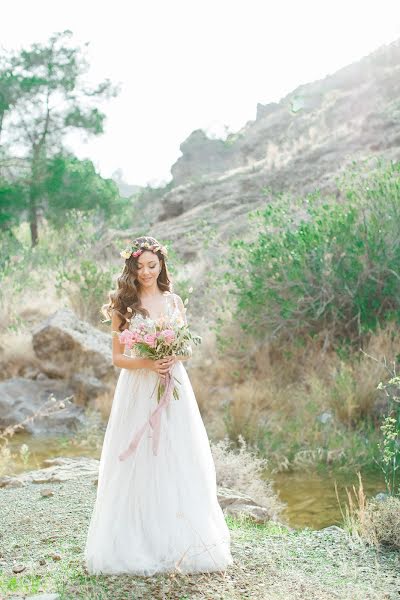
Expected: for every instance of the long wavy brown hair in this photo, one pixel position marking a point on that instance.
(126, 295)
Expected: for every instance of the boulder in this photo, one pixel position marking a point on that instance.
(59, 469)
(69, 348)
(236, 503)
(20, 398)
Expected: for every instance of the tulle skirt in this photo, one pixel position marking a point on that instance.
(156, 513)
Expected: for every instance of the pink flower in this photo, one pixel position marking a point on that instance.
(126, 337)
(168, 335)
(137, 253)
(137, 336)
(150, 339)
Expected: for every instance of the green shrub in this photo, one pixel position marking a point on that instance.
(317, 266)
(389, 447)
(86, 286)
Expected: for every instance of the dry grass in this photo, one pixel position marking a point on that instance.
(381, 523)
(16, 354)
(276, 402)
(21, 308)
(376, 522)
(244, 471)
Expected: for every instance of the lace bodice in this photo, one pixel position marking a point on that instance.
(170, 312)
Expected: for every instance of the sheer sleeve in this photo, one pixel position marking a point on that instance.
(188, 351)
(181, 306)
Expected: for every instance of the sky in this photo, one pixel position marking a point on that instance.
(183, 64)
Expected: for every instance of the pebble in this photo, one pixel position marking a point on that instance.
(56, 556)
(18, 568)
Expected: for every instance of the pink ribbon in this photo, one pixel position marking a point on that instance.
(154, 421)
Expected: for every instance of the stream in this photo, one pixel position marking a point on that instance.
(310, 497)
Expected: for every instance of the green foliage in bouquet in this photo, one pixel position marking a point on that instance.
(180, 347)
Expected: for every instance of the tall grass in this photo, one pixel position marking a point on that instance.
(299, 407)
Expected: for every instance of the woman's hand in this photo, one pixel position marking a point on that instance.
(163, 365)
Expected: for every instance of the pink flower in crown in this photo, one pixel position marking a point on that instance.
(150, 339)
(137, 253)
(168, 335)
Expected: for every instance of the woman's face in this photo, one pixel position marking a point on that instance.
(149, 267)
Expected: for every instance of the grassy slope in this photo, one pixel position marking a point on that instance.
(270, 562)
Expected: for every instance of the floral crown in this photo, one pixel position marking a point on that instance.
(138, 247)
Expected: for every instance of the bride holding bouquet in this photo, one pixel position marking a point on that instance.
(156, 508)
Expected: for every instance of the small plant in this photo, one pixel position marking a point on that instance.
(389, 460)
(353, 515)
(85, 286)
(24, 453)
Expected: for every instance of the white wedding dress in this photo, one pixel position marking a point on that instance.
(156, 513)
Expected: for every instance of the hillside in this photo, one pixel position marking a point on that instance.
(296, 145)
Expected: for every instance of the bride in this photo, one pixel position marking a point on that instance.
(153, 512)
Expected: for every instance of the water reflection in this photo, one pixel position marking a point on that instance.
(311, 498)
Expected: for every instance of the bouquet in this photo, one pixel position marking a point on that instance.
(157, 339)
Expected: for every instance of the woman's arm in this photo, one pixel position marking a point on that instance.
(119, 359)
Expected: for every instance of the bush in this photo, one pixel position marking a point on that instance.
(85, 285)
(244, 472)
(319, 267)
(381, 524)
(374, 521)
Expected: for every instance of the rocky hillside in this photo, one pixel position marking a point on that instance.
(298, 144)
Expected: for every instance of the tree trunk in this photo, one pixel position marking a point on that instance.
(34, 191)
(33, 219)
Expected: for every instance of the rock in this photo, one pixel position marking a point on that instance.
(10, 482)
(46, 493)
(202, 156)
(42, 377)
(56, 556)
(325, 417)
(86, 386)
(236, 504)
(330, 529)
(69, 348)
(20, 398)
(25, 519)
(381, 497)
(30, 372)
(18, 568)
(60, 469)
